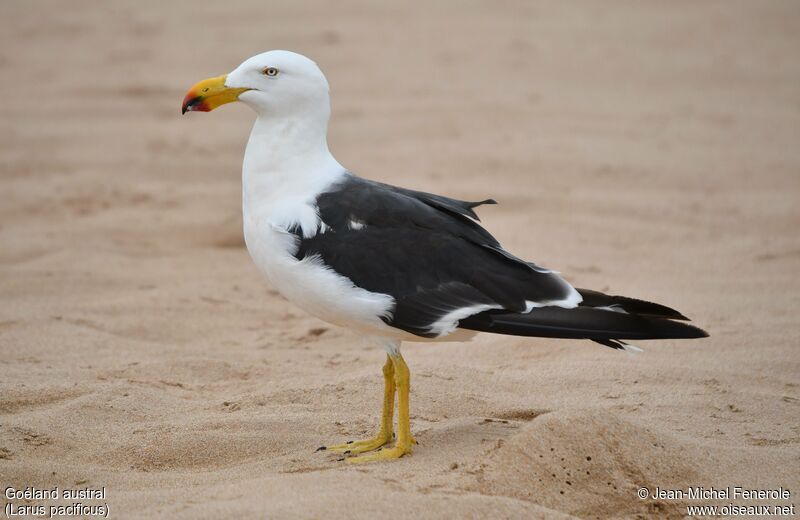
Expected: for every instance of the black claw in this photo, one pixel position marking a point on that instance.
(347, 452)
(349, 442)
(340, 460)
(321, 448)
(394, 435)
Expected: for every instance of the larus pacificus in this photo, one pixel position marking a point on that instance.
(391, 263)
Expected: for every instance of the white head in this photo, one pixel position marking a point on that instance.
(274, 84)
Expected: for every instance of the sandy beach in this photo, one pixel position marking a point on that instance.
(646, 149)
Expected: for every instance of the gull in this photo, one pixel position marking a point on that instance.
(391, 263)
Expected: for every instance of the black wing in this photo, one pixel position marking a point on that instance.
(425, 251)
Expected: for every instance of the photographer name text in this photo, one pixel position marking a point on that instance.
(721, 493)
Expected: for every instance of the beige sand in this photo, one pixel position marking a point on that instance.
(647, 149)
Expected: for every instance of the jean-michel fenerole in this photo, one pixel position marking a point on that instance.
(722, 493)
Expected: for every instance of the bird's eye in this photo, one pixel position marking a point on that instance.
(270, 71)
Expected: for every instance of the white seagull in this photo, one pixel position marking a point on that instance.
(392, 263)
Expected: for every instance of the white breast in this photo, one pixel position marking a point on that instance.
(286, 166)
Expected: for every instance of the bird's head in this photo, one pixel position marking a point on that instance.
(272, 83)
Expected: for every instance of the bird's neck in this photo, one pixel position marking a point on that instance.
(286, 159)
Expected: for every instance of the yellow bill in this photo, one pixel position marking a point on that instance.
(208, 94)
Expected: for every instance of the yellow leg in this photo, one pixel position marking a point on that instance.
(404, 439)
(384, 435)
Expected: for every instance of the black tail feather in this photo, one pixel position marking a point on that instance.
(583, 323)
(629, 305)
(616, 344)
